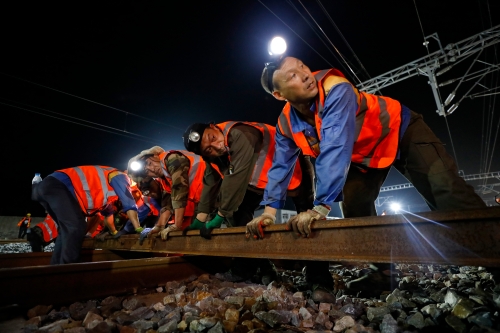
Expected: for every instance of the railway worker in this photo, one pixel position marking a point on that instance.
(70, 195)
(42, 234)
(180, 173)
(355, 138)
(239, 155)
(148, 211)
(23, 225)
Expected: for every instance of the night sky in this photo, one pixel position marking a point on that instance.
(143, 71)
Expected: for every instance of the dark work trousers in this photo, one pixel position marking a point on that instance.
(60, 203)
(35, 237)
(22, 230)
(425, 163)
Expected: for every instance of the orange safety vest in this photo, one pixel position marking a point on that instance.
(196, 171)
(24, 219)
(49, 229)
(378, 120)
(91, 185)
(265, 159)
(148, 201)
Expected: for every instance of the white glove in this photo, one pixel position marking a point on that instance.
(301, 223)
(164, 233)
(255, 228)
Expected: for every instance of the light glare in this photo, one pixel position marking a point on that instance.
(135, 166)
(395, 206)
(277, 46)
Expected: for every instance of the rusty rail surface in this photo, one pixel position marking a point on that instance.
(469, 237)
(29, 286)
(12, 260)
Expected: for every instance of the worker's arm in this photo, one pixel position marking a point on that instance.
(245, 143)
(121, 184)
(178, 168)
(336, 145)
(281, 171)
(209, 193)
(110, 224)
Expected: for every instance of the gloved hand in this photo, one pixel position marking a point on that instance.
(119, 234)
(301, 223)
(102, 236)
(206, 230)
(144, 234)
(255, 228)
(156, 229)
(195, 225)
(164, 233)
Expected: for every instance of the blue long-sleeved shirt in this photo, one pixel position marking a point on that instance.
(336, 145)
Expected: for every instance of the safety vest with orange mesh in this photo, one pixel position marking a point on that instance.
(49, 229)
(378, 120)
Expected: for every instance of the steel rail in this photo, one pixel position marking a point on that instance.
(29, 286)
(12, 260)
(469, 237)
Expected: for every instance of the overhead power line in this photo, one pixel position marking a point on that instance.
(82, 122)
(90, 101)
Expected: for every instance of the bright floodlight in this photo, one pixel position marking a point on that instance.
(395, 206)
(277, 46)
(135, 166)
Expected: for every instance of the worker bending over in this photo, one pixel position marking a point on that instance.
(69, 195)
(42, 234)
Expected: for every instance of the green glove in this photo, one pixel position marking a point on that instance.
(215, 222)
(139, 230)
(195, 225)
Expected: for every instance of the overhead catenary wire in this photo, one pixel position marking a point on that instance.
(103, 128)
(89, 100)
(343, 38)
(331, 43)
(296, 34)
(437, 89)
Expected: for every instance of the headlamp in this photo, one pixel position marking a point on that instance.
(194, 136)
(137, 165)
(276, 49)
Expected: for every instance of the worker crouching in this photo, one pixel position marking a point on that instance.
(42, 234)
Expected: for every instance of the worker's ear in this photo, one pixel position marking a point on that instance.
(278, 96)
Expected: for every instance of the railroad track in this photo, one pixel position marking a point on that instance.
(14, 240)
(469, 237)
(458, 238)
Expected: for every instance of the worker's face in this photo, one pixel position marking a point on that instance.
(212, 142)
(152, 167)
(295, 81)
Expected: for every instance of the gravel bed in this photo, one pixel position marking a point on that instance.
(22, 248)
(427, 298)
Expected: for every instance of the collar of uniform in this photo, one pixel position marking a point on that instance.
(299, 125)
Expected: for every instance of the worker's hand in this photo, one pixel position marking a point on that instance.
(119, 234)
(255, 228)
(164, 233)
(102, 236)
(301, 223)
(144, 234)
(195, 225)
(156, 229)
(206, 230)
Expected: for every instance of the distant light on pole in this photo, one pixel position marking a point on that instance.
(135, 166)
(277, 46)
(395, 207)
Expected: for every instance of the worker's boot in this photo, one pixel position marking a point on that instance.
(320, 281)
(376, 280)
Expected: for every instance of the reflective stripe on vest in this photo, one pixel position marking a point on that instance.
(49, 229)
(195, 173)
(375, 145)
(91, 181)
(265, 158)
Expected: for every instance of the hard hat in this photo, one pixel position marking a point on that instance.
(137, 175)
(28, 214)
(193, 135)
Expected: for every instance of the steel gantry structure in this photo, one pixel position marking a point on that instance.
(443, 59)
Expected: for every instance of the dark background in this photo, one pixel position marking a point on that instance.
(173, 63)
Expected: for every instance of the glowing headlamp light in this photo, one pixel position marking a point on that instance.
(136, 165)
(194, 136)
(276, 48)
